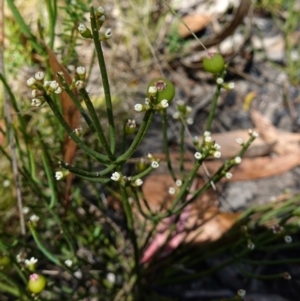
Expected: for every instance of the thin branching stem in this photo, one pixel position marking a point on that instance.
(105, 82)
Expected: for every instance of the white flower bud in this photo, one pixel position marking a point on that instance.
(108, 34)
(39, 76)
(228, 175)
(217, 154)
(115, 176)
(220, 81)
(198, 155)
(138, 182)
(31, 82)
(237, 160)
(80, 70)
(138, 107)
(239, 141)
(155, 164)
(36, 102)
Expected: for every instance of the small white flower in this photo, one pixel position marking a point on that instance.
(239, 141)
(147, 101)
(111, 277)
(228, 175)
(82, 28)
(25, 210)
(190, 121)
(78, 274)
(253, 133)
(34, 93)
(237, 160)
(31, 81)
(39, 75)
(80, 70)
(19, 258)
(47, 83)
(217, 146)
(198, 155)
(152, 90)
(154, 164)
(149, 156)
(79, 84)
(231, 86)
(207, 138)
(220, 81)
(108, 33)
(68, 263)
(217, 154)
(138, 182)
(178, 183)
(164, 103)
(241, 293)
(130, 200)
(58, 90)
(206, 133)
(176, 115)
(6, 183)
(34, 218)
(35, 102)
(54, 85)
(101, 19)
(31, 261)
(250, 245)
(59, 175)
(115, 176)
(195, 139)
(138, 107)
(288, 239)
(172, 190)
(101, 10)
(188, 109)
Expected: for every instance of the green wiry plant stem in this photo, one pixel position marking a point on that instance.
(139, 136)
(213, 106)
(96, 122)
(133, 238)
(101, 158)
(106, 87)
(166, 145)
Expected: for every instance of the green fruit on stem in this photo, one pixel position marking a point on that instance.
(165, 90)
(213, 63)
(36, 283)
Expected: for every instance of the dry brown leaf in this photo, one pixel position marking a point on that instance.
(209, 227)
(284, 142)
(199, 222)
(229, 146)
(194, 22)
(71, 115)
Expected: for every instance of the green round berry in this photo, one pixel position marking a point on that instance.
(164, 90)
(36, 283)
(213, 63)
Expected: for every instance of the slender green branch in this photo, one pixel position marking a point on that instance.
(101, 158)
(213, 106)
(76, 102)
(96, 122)
(101, 61)
(139, 136)
(133, 238)
(41, 247)
(166, 145)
